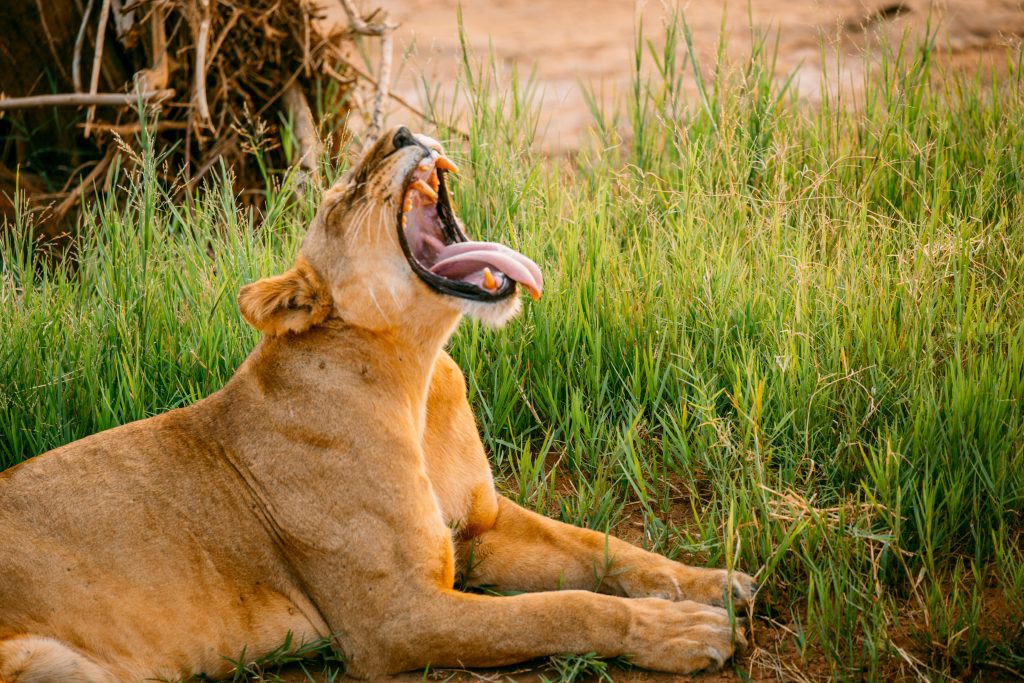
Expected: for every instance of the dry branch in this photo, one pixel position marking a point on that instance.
(202, 42)
(124, 19)
(157, 75)
(73, 196)
(384, 30)
(84, 99)
(304, 129)
(97, 58)
(76, 63)
(126, 129)
(361, 26)
(383, 86)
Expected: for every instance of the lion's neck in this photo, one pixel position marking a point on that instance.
(414, 351)
(320, 367)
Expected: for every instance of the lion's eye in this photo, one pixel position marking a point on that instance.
(403, 138)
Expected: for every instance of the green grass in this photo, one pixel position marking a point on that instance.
(316, 660)
(787, 339)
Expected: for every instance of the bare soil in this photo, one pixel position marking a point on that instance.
(589, 42)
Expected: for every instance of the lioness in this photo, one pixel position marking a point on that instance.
(332, 488)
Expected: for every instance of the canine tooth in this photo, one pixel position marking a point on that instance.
(489, 281)
(433, 181)
(447, 164)
(425, 189)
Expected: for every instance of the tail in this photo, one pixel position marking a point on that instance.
(35, 659)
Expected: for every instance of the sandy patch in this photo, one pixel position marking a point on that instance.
(588, 43)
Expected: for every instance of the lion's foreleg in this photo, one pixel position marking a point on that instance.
(451, 629)
(525, 551)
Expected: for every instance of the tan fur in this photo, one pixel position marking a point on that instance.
(334, 487)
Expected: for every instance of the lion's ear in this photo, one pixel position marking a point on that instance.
(291, 302)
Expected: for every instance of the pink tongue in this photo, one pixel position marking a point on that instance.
(463, 259)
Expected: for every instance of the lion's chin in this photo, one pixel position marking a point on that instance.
(491, 314)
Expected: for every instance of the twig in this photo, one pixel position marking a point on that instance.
(49, 39)
(97, 58)
(305, 38)
(64, 189)
(359, 25)
(383, 86)
(187, 167)
(276, 96)
(201, 45)
(393, 95)
(82, 99)
(329, 70)
(69, 201)
(526, 400)
(232, 20)
(124, 20)
(136, 4)
(385, 31)
(76, 62)
(218, 150)
(156, 76)
(304, 128)
(383, 82)
(1002, 667)
(124, 129)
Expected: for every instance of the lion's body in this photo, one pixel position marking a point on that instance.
(160, 540)
(326, 490)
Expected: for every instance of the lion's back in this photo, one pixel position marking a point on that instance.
(74, 507)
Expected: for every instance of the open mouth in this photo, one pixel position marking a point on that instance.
(441, 254)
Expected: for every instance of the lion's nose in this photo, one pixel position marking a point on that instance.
(403, 138)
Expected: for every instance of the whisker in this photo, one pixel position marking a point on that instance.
(373, 297)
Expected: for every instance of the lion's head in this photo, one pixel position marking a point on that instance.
(385, 251)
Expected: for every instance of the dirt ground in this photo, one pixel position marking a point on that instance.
(589, 42)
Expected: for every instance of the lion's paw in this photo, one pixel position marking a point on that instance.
(683, 637)
(674, 581)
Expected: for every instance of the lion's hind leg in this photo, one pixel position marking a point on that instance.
(36, 659)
